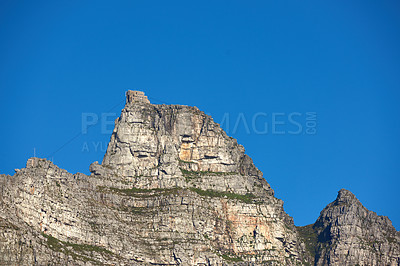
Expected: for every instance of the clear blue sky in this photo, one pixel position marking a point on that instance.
(236, 59)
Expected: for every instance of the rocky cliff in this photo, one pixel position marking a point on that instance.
(349, 234)
(174, 189)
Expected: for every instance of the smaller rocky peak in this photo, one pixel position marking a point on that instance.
(350, 234)
(136, 97)
(345, 197)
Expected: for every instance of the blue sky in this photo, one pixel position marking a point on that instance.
(235, 60)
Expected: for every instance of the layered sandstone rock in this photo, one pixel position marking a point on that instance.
(173, 189)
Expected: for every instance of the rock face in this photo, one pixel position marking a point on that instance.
(349, 234)
(174, 189)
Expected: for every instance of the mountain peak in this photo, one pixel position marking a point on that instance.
(350, 234)
(158, 146)
(346, 196)
(174, 189)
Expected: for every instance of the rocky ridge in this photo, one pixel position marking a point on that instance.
(174, 189)
(349, 234)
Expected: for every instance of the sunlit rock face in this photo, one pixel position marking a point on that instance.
(158, 140)
(172, 189)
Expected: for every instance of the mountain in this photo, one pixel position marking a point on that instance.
(350, 234)
(174, 189)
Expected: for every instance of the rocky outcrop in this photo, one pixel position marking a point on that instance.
(349, 234)
(346, 233)
(173, 189)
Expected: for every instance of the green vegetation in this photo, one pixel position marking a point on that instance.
(229, 258)
(247, 198)
(182, 161)
(138, 210)
(145, 193)
(88, 248)
(189, 175)
(310, 238)
(58, 244)
(53, 243)
(138, 192)
(63, 246)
